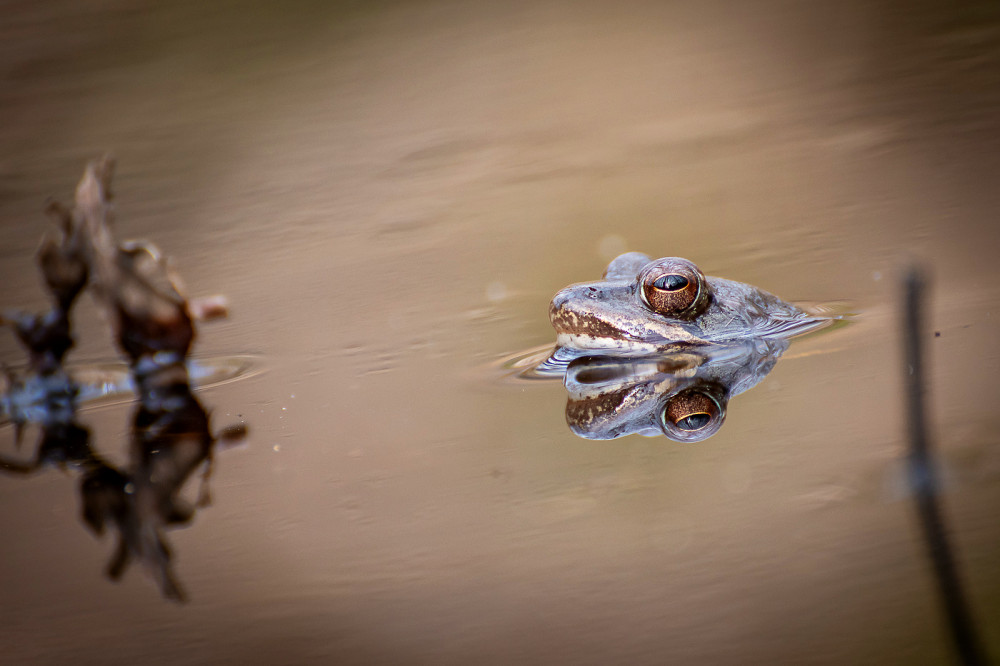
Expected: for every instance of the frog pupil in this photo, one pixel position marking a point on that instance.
(671, 282)
(694, 421)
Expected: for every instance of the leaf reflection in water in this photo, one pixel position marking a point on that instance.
(153, 325)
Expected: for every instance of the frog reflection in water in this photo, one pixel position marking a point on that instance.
(656, 347)
(683, 395)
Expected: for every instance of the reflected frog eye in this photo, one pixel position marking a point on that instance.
(691, 416)
(673, 287)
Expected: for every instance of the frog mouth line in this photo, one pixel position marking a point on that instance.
(588, 330)
(587, 341)
(571, 322)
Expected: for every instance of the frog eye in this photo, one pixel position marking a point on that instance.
(692, 416)
(673, 287)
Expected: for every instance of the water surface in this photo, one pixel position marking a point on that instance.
(390, 194)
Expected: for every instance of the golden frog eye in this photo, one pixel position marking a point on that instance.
(692, 415)
(674, 287)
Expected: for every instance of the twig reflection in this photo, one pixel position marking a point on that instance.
(153, 325)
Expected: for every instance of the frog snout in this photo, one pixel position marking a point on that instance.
(564, 310)
(582, 309)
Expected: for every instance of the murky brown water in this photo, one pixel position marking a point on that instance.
(389, 194)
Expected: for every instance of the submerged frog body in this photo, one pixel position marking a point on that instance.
(644, 306)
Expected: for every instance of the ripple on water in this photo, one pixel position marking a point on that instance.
(110, 383)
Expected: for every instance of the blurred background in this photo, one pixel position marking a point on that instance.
(389, 193)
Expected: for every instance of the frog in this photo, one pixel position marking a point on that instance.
(646, 306)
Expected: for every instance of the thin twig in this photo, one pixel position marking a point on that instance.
(923, 478)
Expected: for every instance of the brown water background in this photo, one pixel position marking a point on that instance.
(389, 193)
